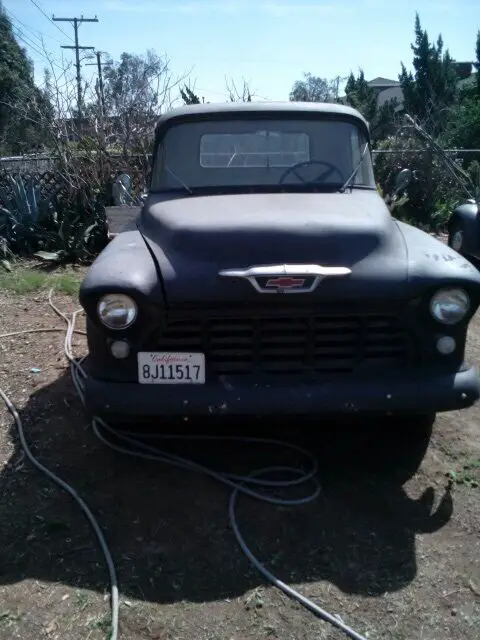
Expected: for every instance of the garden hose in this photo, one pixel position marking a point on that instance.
(255, 484)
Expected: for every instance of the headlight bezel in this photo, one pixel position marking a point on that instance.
(133, 309)
(452, 291)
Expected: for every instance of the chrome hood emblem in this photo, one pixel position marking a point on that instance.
(286, 278)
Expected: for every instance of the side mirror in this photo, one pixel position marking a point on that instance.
(122, 190)
(403, 179)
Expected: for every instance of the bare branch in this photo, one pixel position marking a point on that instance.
(234, 95)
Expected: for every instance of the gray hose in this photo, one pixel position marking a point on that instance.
(83, 506)
(131, 445)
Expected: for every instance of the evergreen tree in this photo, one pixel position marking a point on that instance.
(188, 96)
(477, 63)
(463, 128)
(431, 89)
(361, 96)
(20, 99)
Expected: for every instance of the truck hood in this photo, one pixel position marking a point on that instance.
(193, 238)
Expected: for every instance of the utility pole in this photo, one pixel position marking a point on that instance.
(99, 65)
(76, 22)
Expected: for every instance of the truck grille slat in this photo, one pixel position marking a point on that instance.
(281, 345)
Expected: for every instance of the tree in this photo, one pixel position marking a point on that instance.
(463, 130)
(236, 95)
(19, 97)
(361, 96)
(431, 89)
(477, 63)
(315, 89)
(189, 96)
(137, 90)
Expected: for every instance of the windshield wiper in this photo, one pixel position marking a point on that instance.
(356, 170)
(179, 180)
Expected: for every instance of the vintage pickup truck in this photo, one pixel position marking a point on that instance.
(266, 276)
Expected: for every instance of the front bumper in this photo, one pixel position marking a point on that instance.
(419, 391)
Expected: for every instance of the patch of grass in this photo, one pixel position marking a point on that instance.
(83, 600)
(8, 619)
(23, 280)
(468, 474)
(255, 600)
(104, 623)
(68, 284)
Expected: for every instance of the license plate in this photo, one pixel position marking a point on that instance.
(160, 367)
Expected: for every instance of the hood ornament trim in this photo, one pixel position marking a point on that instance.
(293, 276)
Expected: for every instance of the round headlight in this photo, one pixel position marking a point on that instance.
(449, 306)
(117, 311)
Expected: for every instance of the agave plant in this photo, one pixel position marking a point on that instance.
(70, 229)
(24, 201)
(81, 231)
(22, 212)
(5, 254)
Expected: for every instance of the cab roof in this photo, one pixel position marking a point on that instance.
(207, 111)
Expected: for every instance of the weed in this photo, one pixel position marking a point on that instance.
(468, 474)
(8, 619)
(102, 622)
(83, 600)
(255, 600)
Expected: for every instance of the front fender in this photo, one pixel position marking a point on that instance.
(124, 266)
(432, 264)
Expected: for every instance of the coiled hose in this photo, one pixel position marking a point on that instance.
(131, 444)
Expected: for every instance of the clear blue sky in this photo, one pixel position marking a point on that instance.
(270, 43)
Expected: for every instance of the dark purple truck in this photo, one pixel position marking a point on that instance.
(266, 276)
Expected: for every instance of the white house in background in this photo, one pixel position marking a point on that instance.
(391, 89)
(387, 90)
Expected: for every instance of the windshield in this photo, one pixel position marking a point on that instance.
(250, 153)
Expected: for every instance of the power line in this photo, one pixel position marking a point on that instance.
(34, 48)
(33, 31)
(21, 36)
(50, 20)
(33, 45)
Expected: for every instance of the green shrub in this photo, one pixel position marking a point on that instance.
(431, 195)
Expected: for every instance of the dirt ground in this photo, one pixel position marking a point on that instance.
(395, 560)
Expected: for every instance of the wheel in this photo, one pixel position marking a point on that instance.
(456, 236)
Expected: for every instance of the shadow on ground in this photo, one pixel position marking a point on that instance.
(168, 529)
